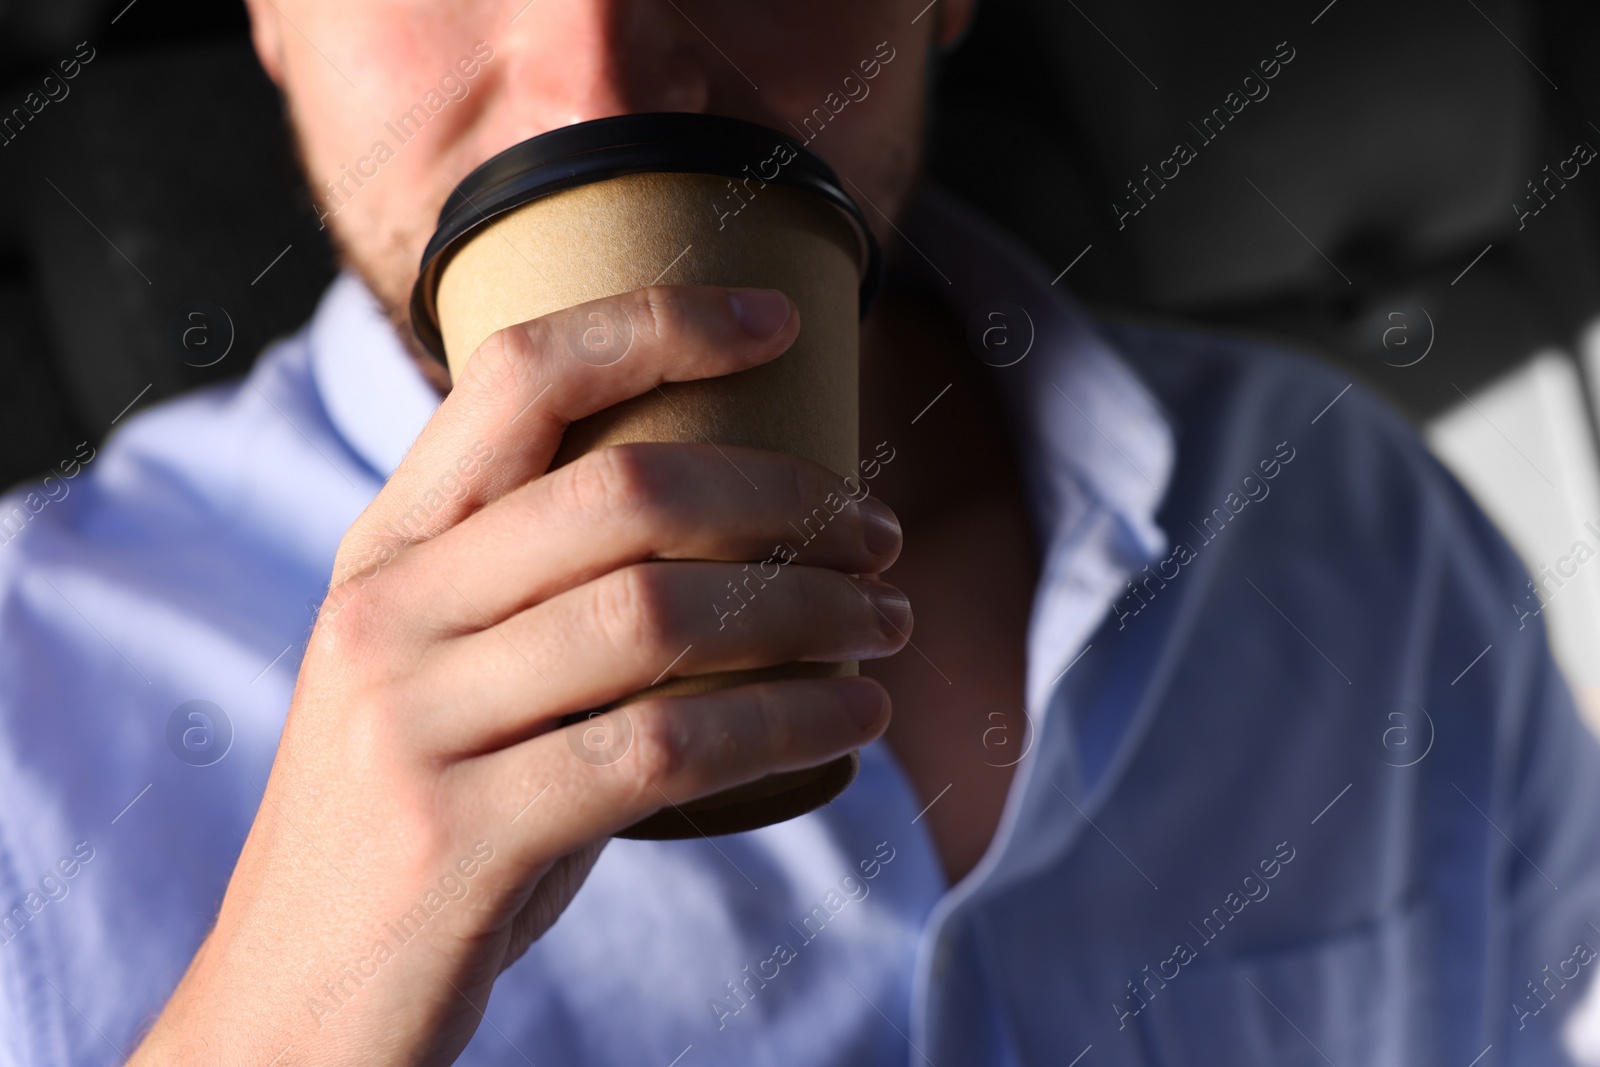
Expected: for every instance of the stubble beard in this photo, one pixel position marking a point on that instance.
(382, 251)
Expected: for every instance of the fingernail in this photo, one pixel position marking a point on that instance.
(894, 610)
(880, 529)
(863, 702)
(762, 312)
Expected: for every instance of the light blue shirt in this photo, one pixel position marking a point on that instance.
(1182, 736)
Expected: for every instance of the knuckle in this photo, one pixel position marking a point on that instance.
(618, 482)
(660, 749)
(634, 610)
(504, 365)
(660, 311)
(348, 622)
(353, 660)
(369, 614)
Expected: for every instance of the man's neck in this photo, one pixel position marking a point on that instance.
(969, 567)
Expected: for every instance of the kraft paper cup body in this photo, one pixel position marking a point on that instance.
(628, 232)
(623, 233)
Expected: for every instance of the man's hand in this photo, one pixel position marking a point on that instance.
(427, 818)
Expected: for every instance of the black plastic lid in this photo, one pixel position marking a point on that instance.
(594, 151)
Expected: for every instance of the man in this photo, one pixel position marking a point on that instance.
(1217, 742)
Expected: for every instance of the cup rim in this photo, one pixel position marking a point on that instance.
(601, 149)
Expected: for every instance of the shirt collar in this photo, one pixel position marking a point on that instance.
(375, 394)
(1095, 449)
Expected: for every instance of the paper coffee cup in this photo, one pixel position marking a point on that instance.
(606, 207)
